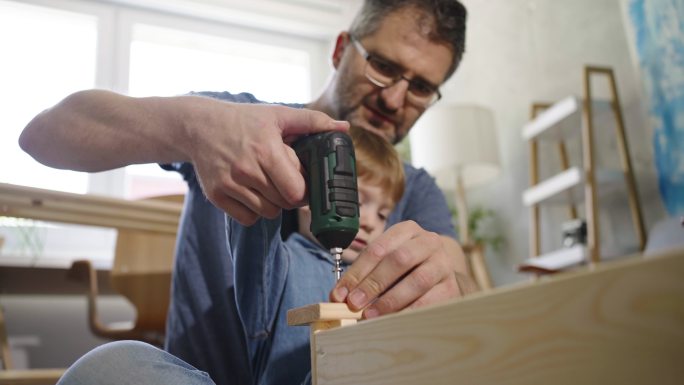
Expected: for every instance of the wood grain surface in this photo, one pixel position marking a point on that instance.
(323, 311)
(621, 323)
(93, 210)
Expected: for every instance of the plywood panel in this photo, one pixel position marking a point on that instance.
(622, 323)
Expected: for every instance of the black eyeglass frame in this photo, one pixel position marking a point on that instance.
(397, 78)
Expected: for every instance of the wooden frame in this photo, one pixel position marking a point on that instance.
(591, 200)
(590, 184)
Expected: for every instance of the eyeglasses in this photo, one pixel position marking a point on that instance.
(384, 74)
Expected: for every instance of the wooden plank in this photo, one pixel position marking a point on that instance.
(149, 215)
(30, 377)
(5, 356)
(94, 200)
(309, 314)
(46, 281)
(626, 163)
(319, 317)
(87, 220)
(84, 204)
(621, 323)
(590, 187)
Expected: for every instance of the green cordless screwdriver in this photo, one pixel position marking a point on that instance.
(330, 165)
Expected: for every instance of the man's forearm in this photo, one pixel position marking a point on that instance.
(99, 130)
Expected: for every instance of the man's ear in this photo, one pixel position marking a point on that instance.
(340, 44)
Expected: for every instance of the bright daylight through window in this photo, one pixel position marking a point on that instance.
(168, 62)
(50, 49)
(46, 55)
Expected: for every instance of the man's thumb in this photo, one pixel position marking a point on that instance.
(303, 121)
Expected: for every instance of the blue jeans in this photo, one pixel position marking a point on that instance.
(132, 363)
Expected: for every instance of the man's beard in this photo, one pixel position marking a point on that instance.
(354, 115)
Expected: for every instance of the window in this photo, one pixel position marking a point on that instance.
(167, 61)
(46, 55)
(51, 48)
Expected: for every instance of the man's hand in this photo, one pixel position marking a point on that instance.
(406, 267)
(243, 160)
(240, 151)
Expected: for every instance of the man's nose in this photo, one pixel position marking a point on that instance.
(394, 96)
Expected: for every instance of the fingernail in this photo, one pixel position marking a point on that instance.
(340, 293)
(337, 124)
(357, 298)
(371, 312)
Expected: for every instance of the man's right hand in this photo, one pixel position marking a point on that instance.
(240, 151)
(244, 161)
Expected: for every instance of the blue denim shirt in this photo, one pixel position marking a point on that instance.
(203, 325)
(271, 277)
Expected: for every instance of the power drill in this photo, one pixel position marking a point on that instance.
(330, 164)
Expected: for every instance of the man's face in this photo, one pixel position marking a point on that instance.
(400, 40)
(374, 208)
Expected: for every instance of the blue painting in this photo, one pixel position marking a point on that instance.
(659, 30)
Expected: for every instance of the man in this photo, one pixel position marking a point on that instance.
(388, 67)
(272, 276)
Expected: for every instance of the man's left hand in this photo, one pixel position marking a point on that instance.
(406, 267)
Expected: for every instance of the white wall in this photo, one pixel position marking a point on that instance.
(521, 51)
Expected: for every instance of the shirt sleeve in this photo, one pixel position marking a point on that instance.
(261, 263)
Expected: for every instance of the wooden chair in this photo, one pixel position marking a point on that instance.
(477, 265)
(141, 272)
(11, 376)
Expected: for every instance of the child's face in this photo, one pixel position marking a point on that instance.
(374, 208)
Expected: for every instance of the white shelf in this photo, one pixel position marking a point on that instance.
(565, 181)
(567, 187)
(574, 256)
(563, 120)
(556, 260)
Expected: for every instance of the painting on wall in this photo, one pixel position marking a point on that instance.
(659, 36)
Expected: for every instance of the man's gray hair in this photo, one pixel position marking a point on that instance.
(446, 19)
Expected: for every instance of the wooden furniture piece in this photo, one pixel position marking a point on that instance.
(146, 232)
(477, 265)
(619, 322)
(556, 124)
(319, 317)
(11, 376)
(89, 210)
(141, 272)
